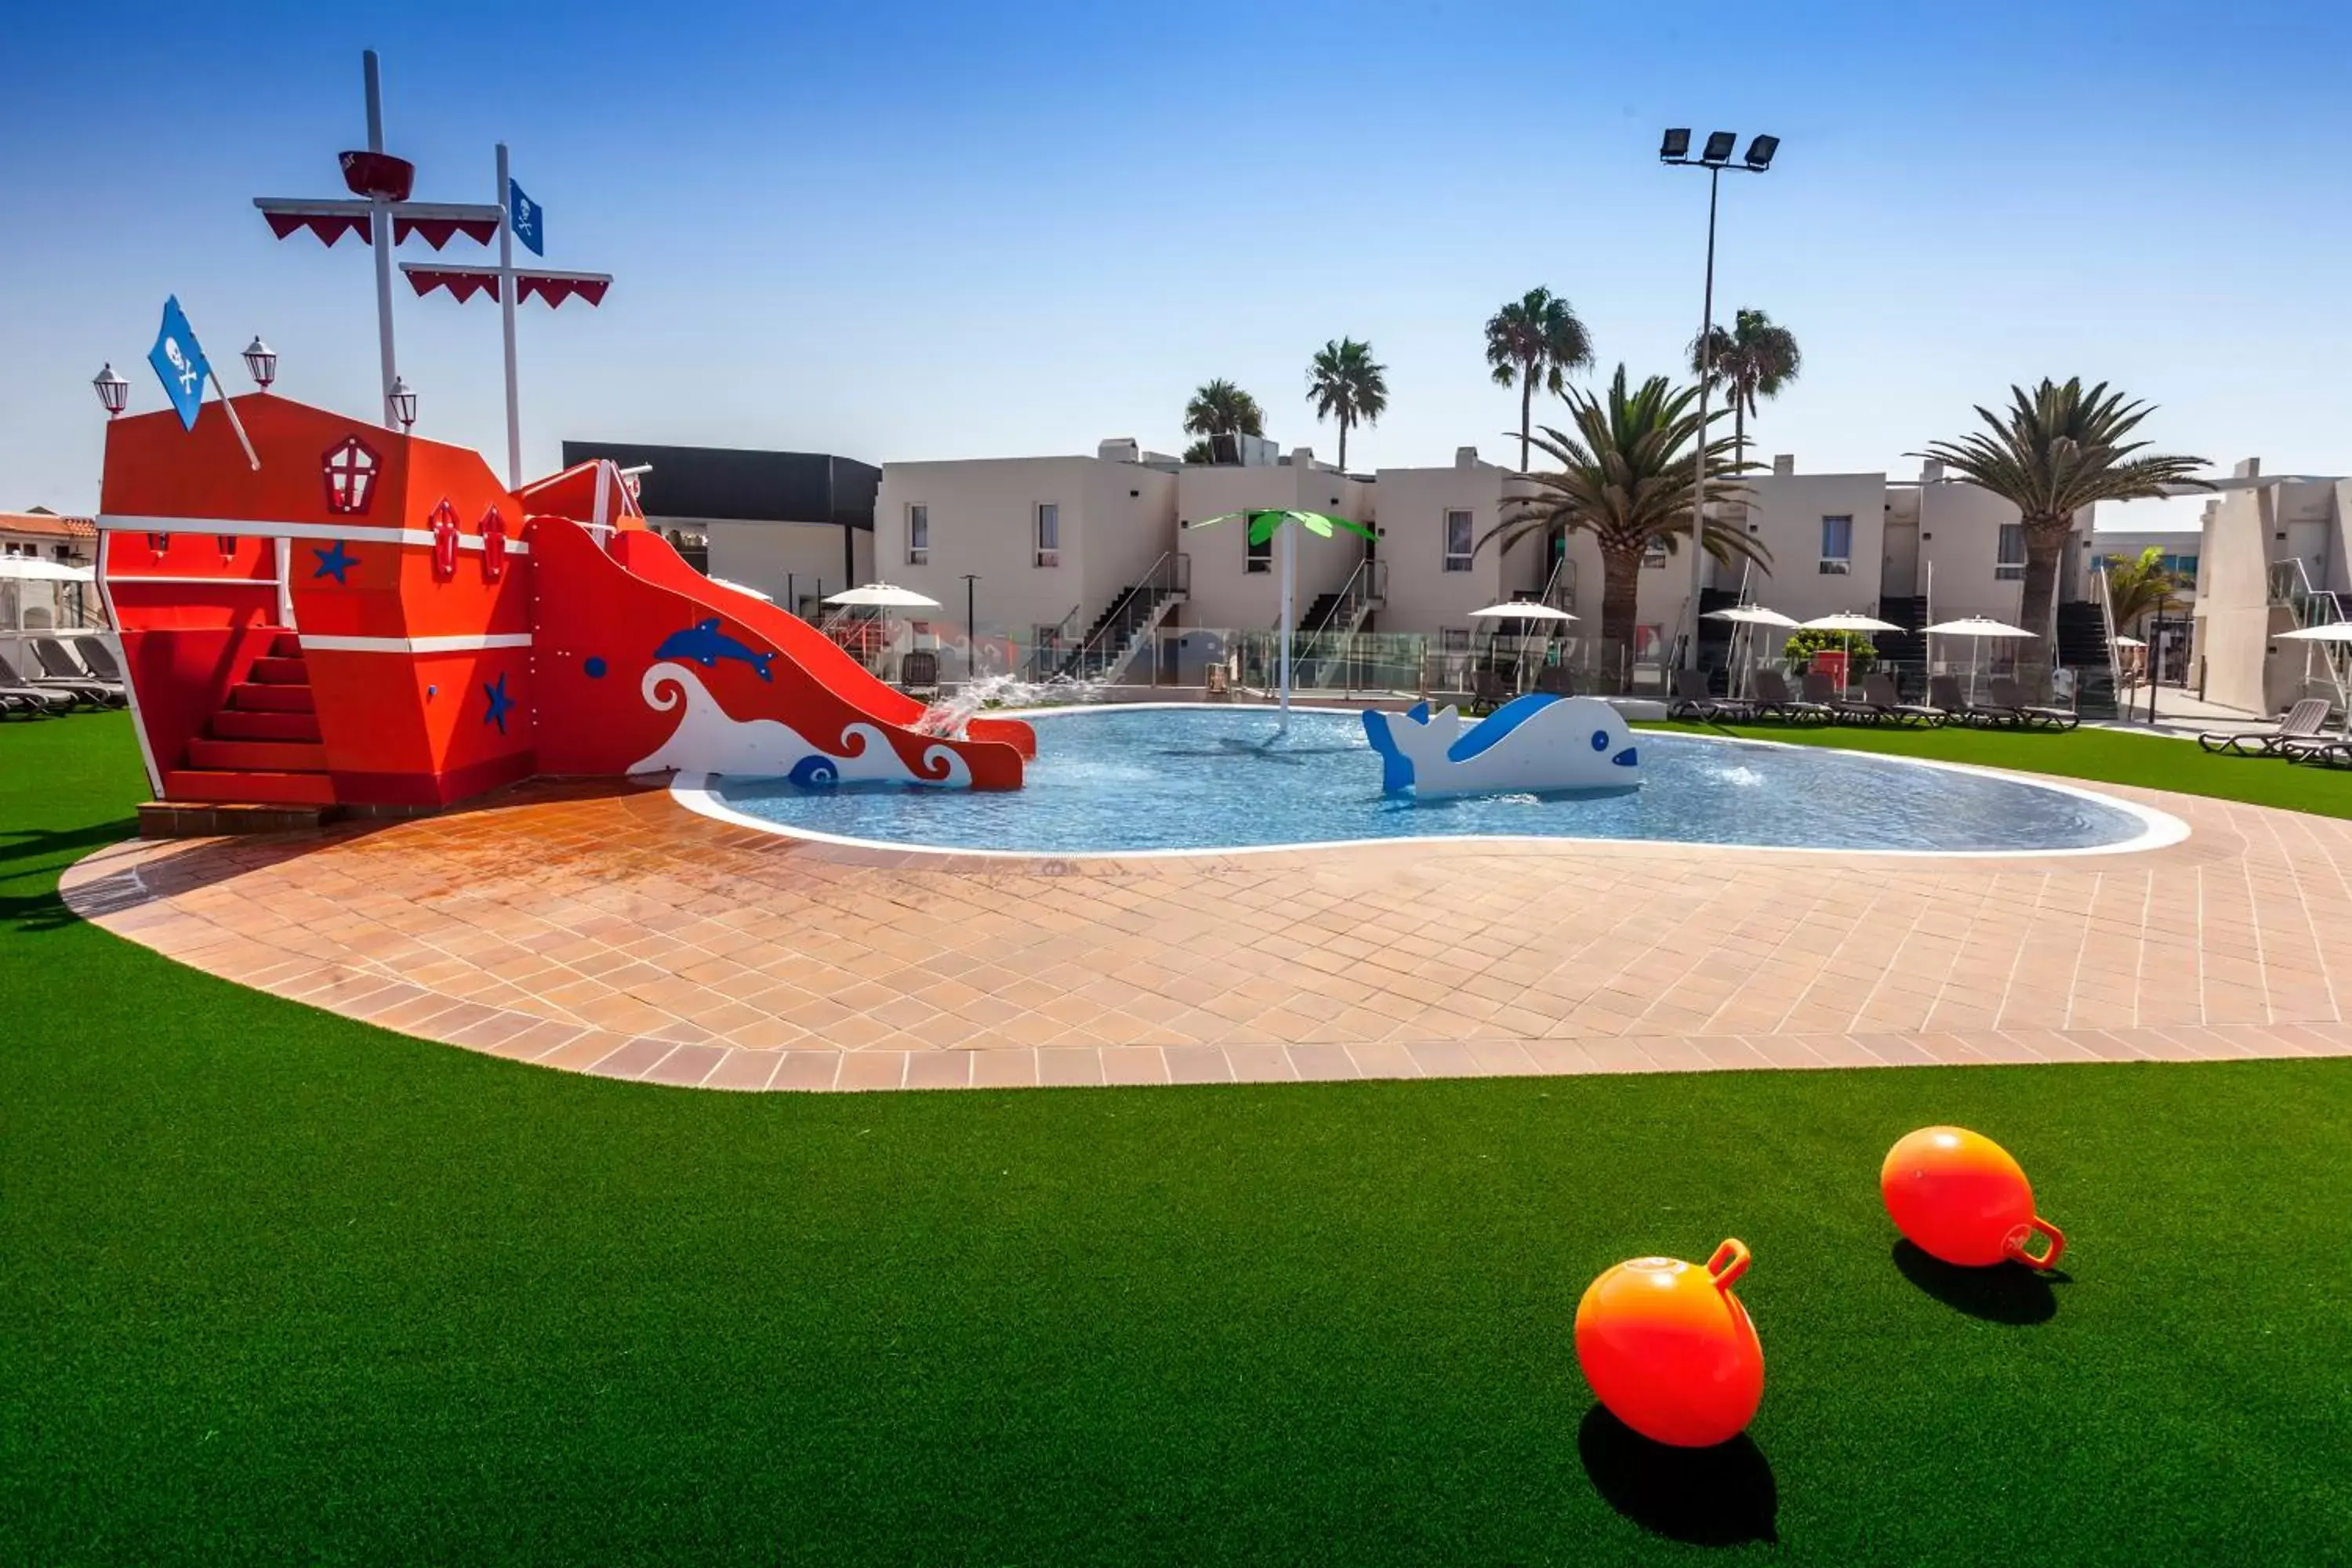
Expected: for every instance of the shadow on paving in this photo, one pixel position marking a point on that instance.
(1721, 1495)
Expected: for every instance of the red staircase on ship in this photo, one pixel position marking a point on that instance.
(263, 747)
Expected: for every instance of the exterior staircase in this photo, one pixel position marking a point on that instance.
(1907, 648)
(262, 748)
(1133, 614)
(2082, 648)
(1327, 632)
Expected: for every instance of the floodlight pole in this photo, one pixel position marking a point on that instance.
(1698, 463)
(1677, 153)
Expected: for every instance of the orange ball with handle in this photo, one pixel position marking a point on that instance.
(1669, 1349)
(1960, 1198)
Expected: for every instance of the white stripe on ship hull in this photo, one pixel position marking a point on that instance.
(454, 642)
(250, 528)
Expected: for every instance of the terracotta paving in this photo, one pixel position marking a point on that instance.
(617, 933)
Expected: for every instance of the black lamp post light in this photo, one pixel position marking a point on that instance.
(1714, 157)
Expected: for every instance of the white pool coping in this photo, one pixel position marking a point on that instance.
(699, 793)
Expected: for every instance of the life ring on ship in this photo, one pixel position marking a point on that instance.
(445, 541)
(494, 545)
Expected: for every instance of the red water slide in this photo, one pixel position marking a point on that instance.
(651, 557)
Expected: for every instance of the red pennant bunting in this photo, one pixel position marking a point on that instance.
(555, 290)
(462, 285)
(434, 231)
(329, 226)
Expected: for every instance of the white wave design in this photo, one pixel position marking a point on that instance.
(709, 741)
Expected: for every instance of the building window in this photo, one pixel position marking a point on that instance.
(2009, 563)
(1837, 546)
(918, 536)
(1457, 542)
(1454, 640)
(1654, 553)
(1258, 555)
(1049, 534)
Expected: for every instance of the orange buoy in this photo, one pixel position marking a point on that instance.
(1960, 1198)
(1669, 1349)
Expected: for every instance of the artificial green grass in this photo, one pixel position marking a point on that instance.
(275, 1285)
(2105, 756)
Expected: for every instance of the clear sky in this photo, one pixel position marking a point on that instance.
(899, 230)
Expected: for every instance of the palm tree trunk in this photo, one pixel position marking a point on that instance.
(1343, 440)
(1527, 409)
(1740, 429)
(1621, 585)
(2045, 547)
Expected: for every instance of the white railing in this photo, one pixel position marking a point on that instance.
(1547, 596)
(2104, 593)
(2290, 585)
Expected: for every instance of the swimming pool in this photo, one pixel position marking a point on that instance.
(1155, 779)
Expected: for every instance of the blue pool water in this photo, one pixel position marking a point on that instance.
(1194, 778)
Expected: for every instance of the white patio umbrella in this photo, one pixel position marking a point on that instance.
(1975, 629)
(743, 588)
(1527, 610)
(882, 596)
(33, 569)
(1747, 618)
(1751, 616)
(2332, 631)
(1848, 622)
(2129, 642)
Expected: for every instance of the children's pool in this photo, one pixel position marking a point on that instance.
(1124, 780)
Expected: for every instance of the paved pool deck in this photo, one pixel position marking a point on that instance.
(613, 932)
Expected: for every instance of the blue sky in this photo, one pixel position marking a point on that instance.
(900, 230)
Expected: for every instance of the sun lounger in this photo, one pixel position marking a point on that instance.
(93, 692)
(98, 658)
(1694, 700)
(2006, 693)
(2303, 722)
(34, 702)
(1943, 692)
(1820, 690)
(1772, 696)
(59, 666)
(1878, 690)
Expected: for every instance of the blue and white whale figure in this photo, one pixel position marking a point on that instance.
(704, 644)
(1534, 742)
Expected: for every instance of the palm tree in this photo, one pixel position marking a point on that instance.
(1624, 477)
(1755, 358)
(1536, 338)
(1343, 383)
(2136, 587)
(1220, 408)
(2054, 451)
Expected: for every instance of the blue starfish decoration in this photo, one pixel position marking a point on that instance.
(500, 703)
(333, 561)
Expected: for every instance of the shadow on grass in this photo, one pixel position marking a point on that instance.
(1707, 1497)
(2005, 1293)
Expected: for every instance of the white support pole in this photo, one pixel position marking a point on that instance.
(507, 321)
(1289, 580)
(380, 237)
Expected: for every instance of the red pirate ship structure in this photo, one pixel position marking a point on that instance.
(371, 618)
